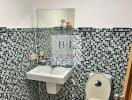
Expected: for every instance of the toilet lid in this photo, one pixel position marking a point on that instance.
(98, 86)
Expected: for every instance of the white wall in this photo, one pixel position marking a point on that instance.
(93, 13)
(15, 13)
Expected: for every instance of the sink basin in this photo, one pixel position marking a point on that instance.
(54, 77)
(46, 73)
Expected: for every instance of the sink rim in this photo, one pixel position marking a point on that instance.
(32, 71)
(47, 77)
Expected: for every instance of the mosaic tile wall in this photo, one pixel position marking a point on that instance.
(96, 50)
(106, 50)
(15, 45)
(100, 50)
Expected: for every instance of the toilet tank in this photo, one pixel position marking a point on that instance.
(98, 86)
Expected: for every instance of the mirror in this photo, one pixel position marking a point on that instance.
(55, 17)
(62, 46)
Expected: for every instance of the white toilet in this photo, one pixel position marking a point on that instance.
(98, 86)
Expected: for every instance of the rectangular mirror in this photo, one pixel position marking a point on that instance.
(55, 17)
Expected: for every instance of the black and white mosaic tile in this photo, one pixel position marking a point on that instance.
(99, 50)
(106, 50)
(14, 63)
(96, 50)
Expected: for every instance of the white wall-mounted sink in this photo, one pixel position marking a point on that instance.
(54, 77)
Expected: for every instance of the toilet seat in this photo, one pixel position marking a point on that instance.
(98, 87)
